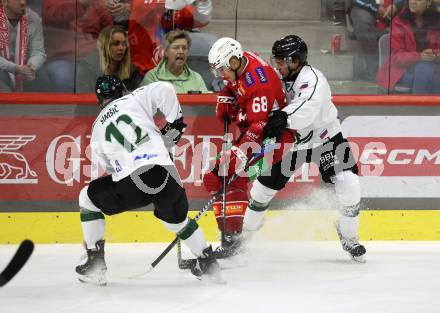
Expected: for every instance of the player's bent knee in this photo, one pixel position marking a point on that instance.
(351, 211)
(261, 195)
(85, 202)
(172, 209)
(175, 227)
(348, 191)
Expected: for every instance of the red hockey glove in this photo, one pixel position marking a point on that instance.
(212, 182)
(225, 108)
(235, 160)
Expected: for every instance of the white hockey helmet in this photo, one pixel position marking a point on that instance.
(222, 51)
(177, 4)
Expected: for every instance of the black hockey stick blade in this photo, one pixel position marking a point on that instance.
(19, 259)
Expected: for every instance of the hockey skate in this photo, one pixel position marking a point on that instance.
(206, 265)
(231, 247)
(352, 246)
(94, 269)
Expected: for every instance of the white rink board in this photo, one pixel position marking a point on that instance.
(301, 277)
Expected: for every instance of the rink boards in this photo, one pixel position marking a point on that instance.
(45, 161)
(283, 225)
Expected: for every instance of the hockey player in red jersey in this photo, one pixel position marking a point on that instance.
(253, 90)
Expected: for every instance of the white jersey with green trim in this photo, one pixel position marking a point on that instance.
(125, 136)
(310, 108)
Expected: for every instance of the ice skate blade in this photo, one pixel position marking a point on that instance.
(98, 280)
(225, 264)
(187, 264)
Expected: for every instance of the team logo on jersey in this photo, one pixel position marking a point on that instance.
(146, 156)
(323, 134)
(249, 80)
(261, 74)
(14, 167)
(242, 117)
(118, 167)
(158, 54)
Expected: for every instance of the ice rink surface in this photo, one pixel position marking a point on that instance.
(271, 277)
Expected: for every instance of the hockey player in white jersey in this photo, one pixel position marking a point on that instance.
(319, 139)
(126, 140)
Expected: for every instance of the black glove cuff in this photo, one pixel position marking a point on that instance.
(174, 131)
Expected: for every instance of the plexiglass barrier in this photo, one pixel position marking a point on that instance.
(362, 47)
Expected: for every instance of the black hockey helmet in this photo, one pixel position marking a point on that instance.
(108, 87)
(289, 48)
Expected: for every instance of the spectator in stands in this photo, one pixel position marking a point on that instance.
(151, 20)
(112, 57)
(21, 45)
(365, 15)
(436, 4)
(415, 48)
(173, 67)
(120, 11)
(71, 28)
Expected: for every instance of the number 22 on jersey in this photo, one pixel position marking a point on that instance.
(112, 131)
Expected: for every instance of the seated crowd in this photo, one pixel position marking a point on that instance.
(76, 41)
(413, 61)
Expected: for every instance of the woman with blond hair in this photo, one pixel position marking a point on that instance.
(112, 57)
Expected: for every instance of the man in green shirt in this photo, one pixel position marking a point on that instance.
(173, 67)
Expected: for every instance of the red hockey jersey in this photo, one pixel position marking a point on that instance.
(257, 92)
(148, 24)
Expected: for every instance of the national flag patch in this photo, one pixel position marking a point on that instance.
(261, 74)
(304, 85)
(249, 80)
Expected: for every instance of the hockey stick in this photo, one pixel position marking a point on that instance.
(224, 178)
(183, 264)
(265, 147)
(18, 260)
(223, 211)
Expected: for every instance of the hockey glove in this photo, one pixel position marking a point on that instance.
(225, 108)
(172, 132)
(276, 125)
(235, 160)
(212, 182)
